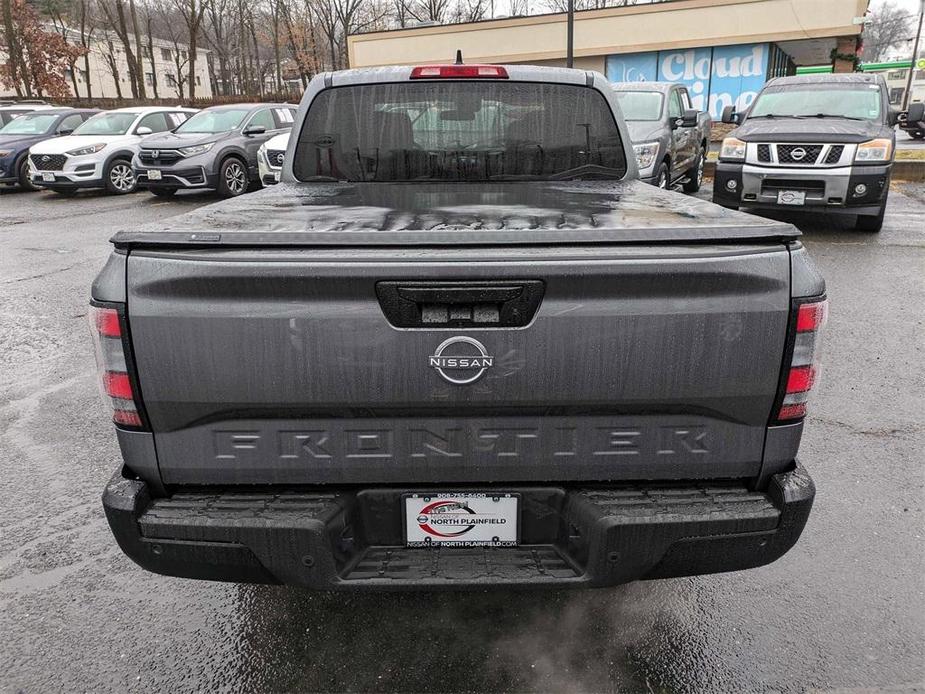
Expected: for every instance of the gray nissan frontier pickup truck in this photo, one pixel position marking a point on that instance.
(460, 344)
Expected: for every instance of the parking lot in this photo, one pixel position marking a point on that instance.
(845, 609)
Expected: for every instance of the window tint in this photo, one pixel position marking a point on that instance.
(851, 100)
(640, 105)
(29, 124)
(674, 105)
(470, 131)
(71, 122)
(107, 123)
(156, 121)
(217, 121)
(264, 118)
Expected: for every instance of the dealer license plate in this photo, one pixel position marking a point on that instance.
(791, 197)
(50, 177)
(462, 519)
(154, 175)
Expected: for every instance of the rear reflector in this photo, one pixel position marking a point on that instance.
(425, 72)
(112, 358)
(126, 418)
(804, 357)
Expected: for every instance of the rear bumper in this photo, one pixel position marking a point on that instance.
(352, 539)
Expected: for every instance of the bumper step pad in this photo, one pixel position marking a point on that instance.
(345, 539)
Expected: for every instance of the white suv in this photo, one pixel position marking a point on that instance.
(98, 154)
(270, 158)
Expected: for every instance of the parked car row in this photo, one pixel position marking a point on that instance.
(163, 149)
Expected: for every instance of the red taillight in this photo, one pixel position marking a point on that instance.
(117, 385)
(811, 316)
(427, 72)
(107, 322)
(803, 369)
(801, 379)
(113, 362)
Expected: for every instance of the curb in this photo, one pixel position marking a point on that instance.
(903, 170)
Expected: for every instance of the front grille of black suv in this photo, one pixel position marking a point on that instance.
(48, 162)
(810, 153)
(834, 154)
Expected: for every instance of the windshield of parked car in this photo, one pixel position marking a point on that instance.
(210, 122)
(640, 105)
(460, 131)
(818, 99)
(30, 124)
(107, 124)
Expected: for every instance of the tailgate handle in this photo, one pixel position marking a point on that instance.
(507, 304)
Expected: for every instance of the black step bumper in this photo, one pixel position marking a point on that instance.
(352, 539)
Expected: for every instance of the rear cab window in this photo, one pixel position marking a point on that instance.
(460, 131)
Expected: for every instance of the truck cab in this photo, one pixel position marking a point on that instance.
(820, 143)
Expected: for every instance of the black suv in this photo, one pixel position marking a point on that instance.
(820, 143)
(216, 148)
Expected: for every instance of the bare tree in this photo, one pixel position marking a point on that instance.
(888, 28)
(115, 13)
(192, 12)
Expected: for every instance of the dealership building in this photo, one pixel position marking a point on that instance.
(723, 50)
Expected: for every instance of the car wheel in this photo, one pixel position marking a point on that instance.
(163, 192)
(917, 134)
(25, 182)
(695, 173)
(661, 176)
(232, 178)
(871, 223)
(119, 177)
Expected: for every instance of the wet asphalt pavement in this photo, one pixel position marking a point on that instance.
(844, 609)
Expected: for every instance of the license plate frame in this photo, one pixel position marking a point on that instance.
(791, 197)
(497, 513)
(48, 177)
(155, 175)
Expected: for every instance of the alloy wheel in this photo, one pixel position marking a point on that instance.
(122, 178)
(235, 178)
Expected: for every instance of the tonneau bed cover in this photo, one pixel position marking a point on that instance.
(371, 214)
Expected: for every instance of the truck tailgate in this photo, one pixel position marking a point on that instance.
(283, 365)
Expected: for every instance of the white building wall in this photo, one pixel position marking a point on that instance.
(103, 84)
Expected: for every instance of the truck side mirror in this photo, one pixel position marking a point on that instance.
(916, 113)
(690, 118)
(892, 117)
(730, 115)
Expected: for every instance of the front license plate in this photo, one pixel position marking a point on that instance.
(461, 519)
(48, 177)
(154, 175)
(791, 197)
